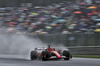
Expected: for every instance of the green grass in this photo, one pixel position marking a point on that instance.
(87, 56)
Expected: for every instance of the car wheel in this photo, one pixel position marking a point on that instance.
(67, 54)
(45, 55)
(33, 55)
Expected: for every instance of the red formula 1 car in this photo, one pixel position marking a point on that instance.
(49, 54)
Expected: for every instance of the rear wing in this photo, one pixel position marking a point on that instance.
(41, 48)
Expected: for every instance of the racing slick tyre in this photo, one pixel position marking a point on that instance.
(33, 55)
(67, 54)
(45, 56)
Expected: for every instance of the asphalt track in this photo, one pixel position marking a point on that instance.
(72, 62)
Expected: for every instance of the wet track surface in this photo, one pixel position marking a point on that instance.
(72, 62)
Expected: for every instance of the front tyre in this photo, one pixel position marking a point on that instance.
(67, 54)
(45, 56)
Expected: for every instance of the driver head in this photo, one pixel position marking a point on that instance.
(49, 46)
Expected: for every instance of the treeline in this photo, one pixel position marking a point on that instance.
(17, 3)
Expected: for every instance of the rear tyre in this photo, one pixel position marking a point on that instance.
(45, 56)
(33, 55)
(67, 54)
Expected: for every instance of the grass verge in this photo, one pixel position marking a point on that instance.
(87, 56)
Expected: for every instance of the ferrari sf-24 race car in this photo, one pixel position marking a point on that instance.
(50, 54)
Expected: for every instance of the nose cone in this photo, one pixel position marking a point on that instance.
(57, 54)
